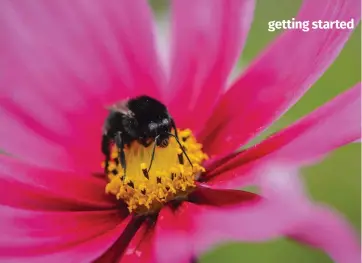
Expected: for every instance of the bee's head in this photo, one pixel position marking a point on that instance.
(162, 140)
(160, 131)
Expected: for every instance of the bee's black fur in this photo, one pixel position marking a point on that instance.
(141, 119)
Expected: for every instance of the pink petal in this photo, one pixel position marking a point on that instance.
(90, 249)
(278, 78)
(38, 150)
(329, 231)
(31, 234)
(285, 210)
(205, 195)
(83, 252)
(257, 220)
(173, 237)
(65, 61)
(140, 249)
(192, 228)
(173, 240)
(208, 37)
(116, 252)
(304, 142)
(36, 188)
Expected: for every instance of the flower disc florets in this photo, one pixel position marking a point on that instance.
(170, 177)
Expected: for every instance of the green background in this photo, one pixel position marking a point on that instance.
(336, 180)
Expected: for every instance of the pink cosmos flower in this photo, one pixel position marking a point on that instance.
(63, 61)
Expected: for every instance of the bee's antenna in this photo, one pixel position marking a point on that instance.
(153, 152)
(182, 148)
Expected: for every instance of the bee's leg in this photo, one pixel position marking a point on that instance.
(153, 153)
(173, 124)
(120, 146)
(106, 151)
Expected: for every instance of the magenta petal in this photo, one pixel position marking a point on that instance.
(284, 210)
(173, 242)
(140, 249)
(117, 250)
(257, 220)
(277, 79)
(327, 230)
(191, 228)
(208, 37)
(35, 188)
(82, 252)
(28, 233)
(205, 195)
(304, 142)
(319, 132)
(38, 150)
(65, 61)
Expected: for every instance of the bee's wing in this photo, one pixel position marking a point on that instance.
(121, 107)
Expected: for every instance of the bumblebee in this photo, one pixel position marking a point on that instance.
(142, 119)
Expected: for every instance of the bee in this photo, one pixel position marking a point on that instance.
(142, 119)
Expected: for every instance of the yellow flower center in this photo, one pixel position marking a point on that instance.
(170, 177)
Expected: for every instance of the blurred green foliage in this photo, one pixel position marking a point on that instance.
(336, 180)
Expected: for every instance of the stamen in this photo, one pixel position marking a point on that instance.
(146, 190)
(144, 170)
(130, 184)
(180, 157)
(116, 161)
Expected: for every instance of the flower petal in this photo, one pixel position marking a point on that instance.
(36, 188)
(209, 221)
(205, 195)
(302, 143)
(117, 250)
(327, 230)
(140, 249)
(172, 240)
(277, 79)
(15, 134)
(207, 40)
(280, 207)
(285, 210)
(32, 234)
(65, 61)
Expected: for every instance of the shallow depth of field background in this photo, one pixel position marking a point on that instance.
(336, 180)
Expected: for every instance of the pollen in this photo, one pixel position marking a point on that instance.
(170, 177)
